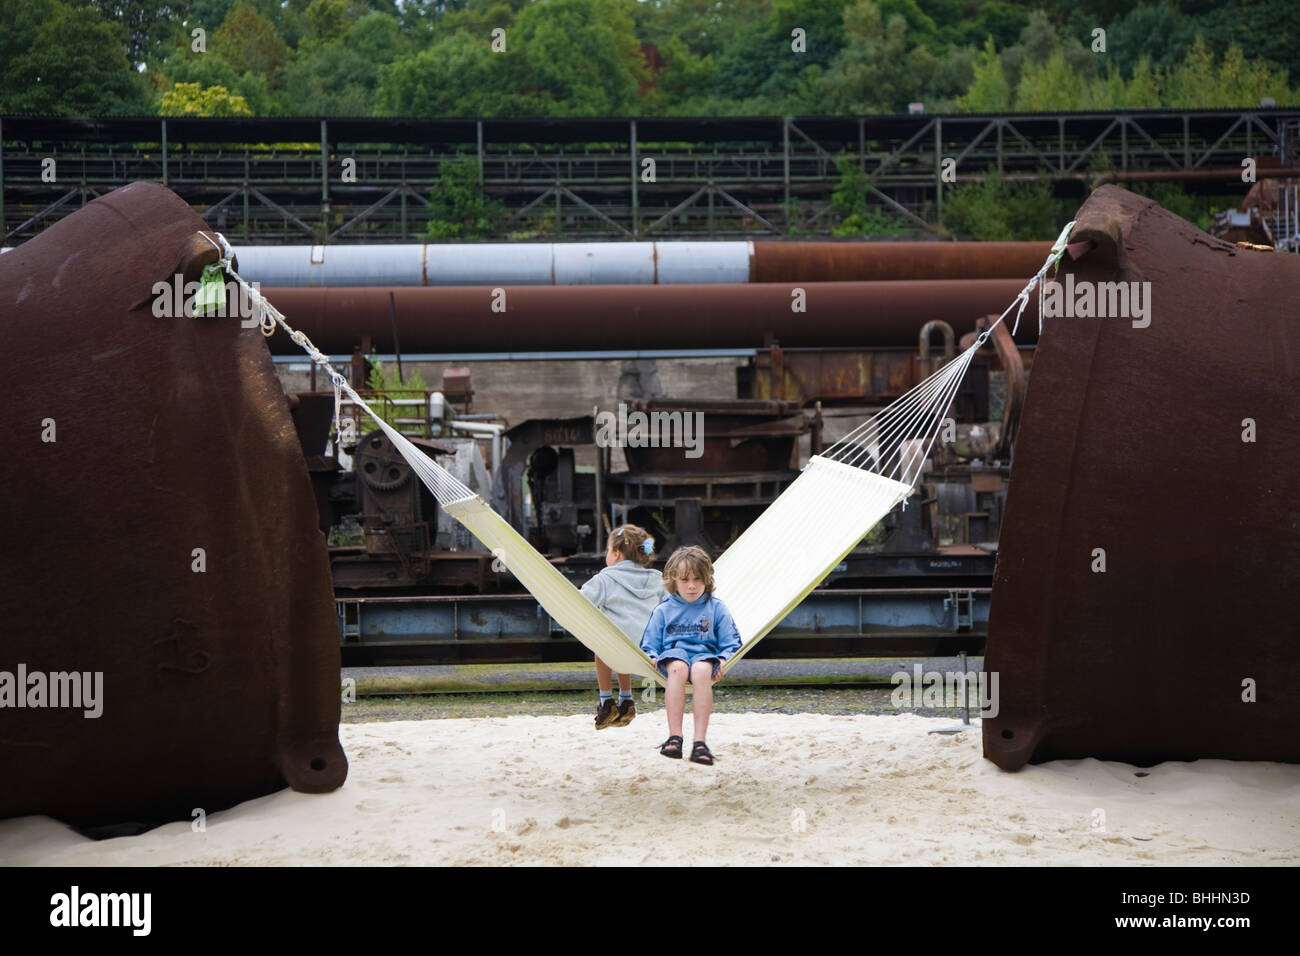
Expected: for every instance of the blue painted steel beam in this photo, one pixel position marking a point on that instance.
(879, 612)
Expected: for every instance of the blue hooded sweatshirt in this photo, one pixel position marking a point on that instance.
(682, 631)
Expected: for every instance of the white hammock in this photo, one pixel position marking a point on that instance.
(839, 497)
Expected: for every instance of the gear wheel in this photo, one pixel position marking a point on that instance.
(379, 464)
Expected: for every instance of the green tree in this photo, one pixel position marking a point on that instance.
(329, 21)
(189, 99)
(850, 200)
(994, 210)
(409, 386)
(989, 91)
(458, 76)
(575, 57)
(1234, 81)
(458, 208)
(340, 78)
(148, 25)
(1050, 85)
(207, 70)
(682, 85)
(249, 42)
(57, 58)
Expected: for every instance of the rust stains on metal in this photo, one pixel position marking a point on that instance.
(1143, 600)
(894, 261)
(170, 544)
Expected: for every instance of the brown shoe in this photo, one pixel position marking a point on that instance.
(606, 714)
(626, 713)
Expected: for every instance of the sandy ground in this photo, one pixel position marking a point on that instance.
(787, 789)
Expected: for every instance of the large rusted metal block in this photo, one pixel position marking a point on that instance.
(1144, 598)
(163, 539)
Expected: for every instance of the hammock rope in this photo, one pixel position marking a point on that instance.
(839, 496)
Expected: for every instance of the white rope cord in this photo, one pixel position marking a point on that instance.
(446, 487)
(890, 442)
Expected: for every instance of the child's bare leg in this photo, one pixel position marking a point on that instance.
(675, 696)
(604, 677)
(702, 697)
(625, 683)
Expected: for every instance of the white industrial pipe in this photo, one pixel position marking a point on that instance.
(497, 433)
(497, 263)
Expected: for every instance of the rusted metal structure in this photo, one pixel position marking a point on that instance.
(549, 318)
(165, 538)
(1153, 461)
(733, 177)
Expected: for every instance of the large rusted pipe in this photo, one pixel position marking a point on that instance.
(559, 318)
(894, 261)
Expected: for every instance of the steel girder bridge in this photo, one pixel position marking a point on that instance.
(313, 180)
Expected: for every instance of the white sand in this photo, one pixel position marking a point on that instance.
(869, 789)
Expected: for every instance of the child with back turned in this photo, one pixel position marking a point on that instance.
(627, 590)
(690, 636)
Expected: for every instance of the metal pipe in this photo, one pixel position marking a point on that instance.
(551, 318)
(1217, 173)
(479, 428)
(634, 263)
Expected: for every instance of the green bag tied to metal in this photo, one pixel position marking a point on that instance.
(211, 296)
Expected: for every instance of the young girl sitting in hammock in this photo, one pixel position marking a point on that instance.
(690, 635)
(627, 590)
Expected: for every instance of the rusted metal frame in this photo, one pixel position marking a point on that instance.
(938, 168)
(636, 205)
(324, 180)
(407, 190)
(688, 201)
(902, 149)
(785, 154)
(895, 205)
(1031, 147)
(221, 202)
(813, 143)
(1272, 134)
(519, 212)
(1131, 121)
(46, 211)
(582, 202)
(260, 197)
(886, 199)
(1210, 152)
(980, 137)
(478, 127)
(743, 208)
(1087, 150)
(391, 194)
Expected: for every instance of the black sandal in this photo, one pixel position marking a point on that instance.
(700, 753)
(672, 747)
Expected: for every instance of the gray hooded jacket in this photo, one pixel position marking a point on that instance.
(628, 594)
